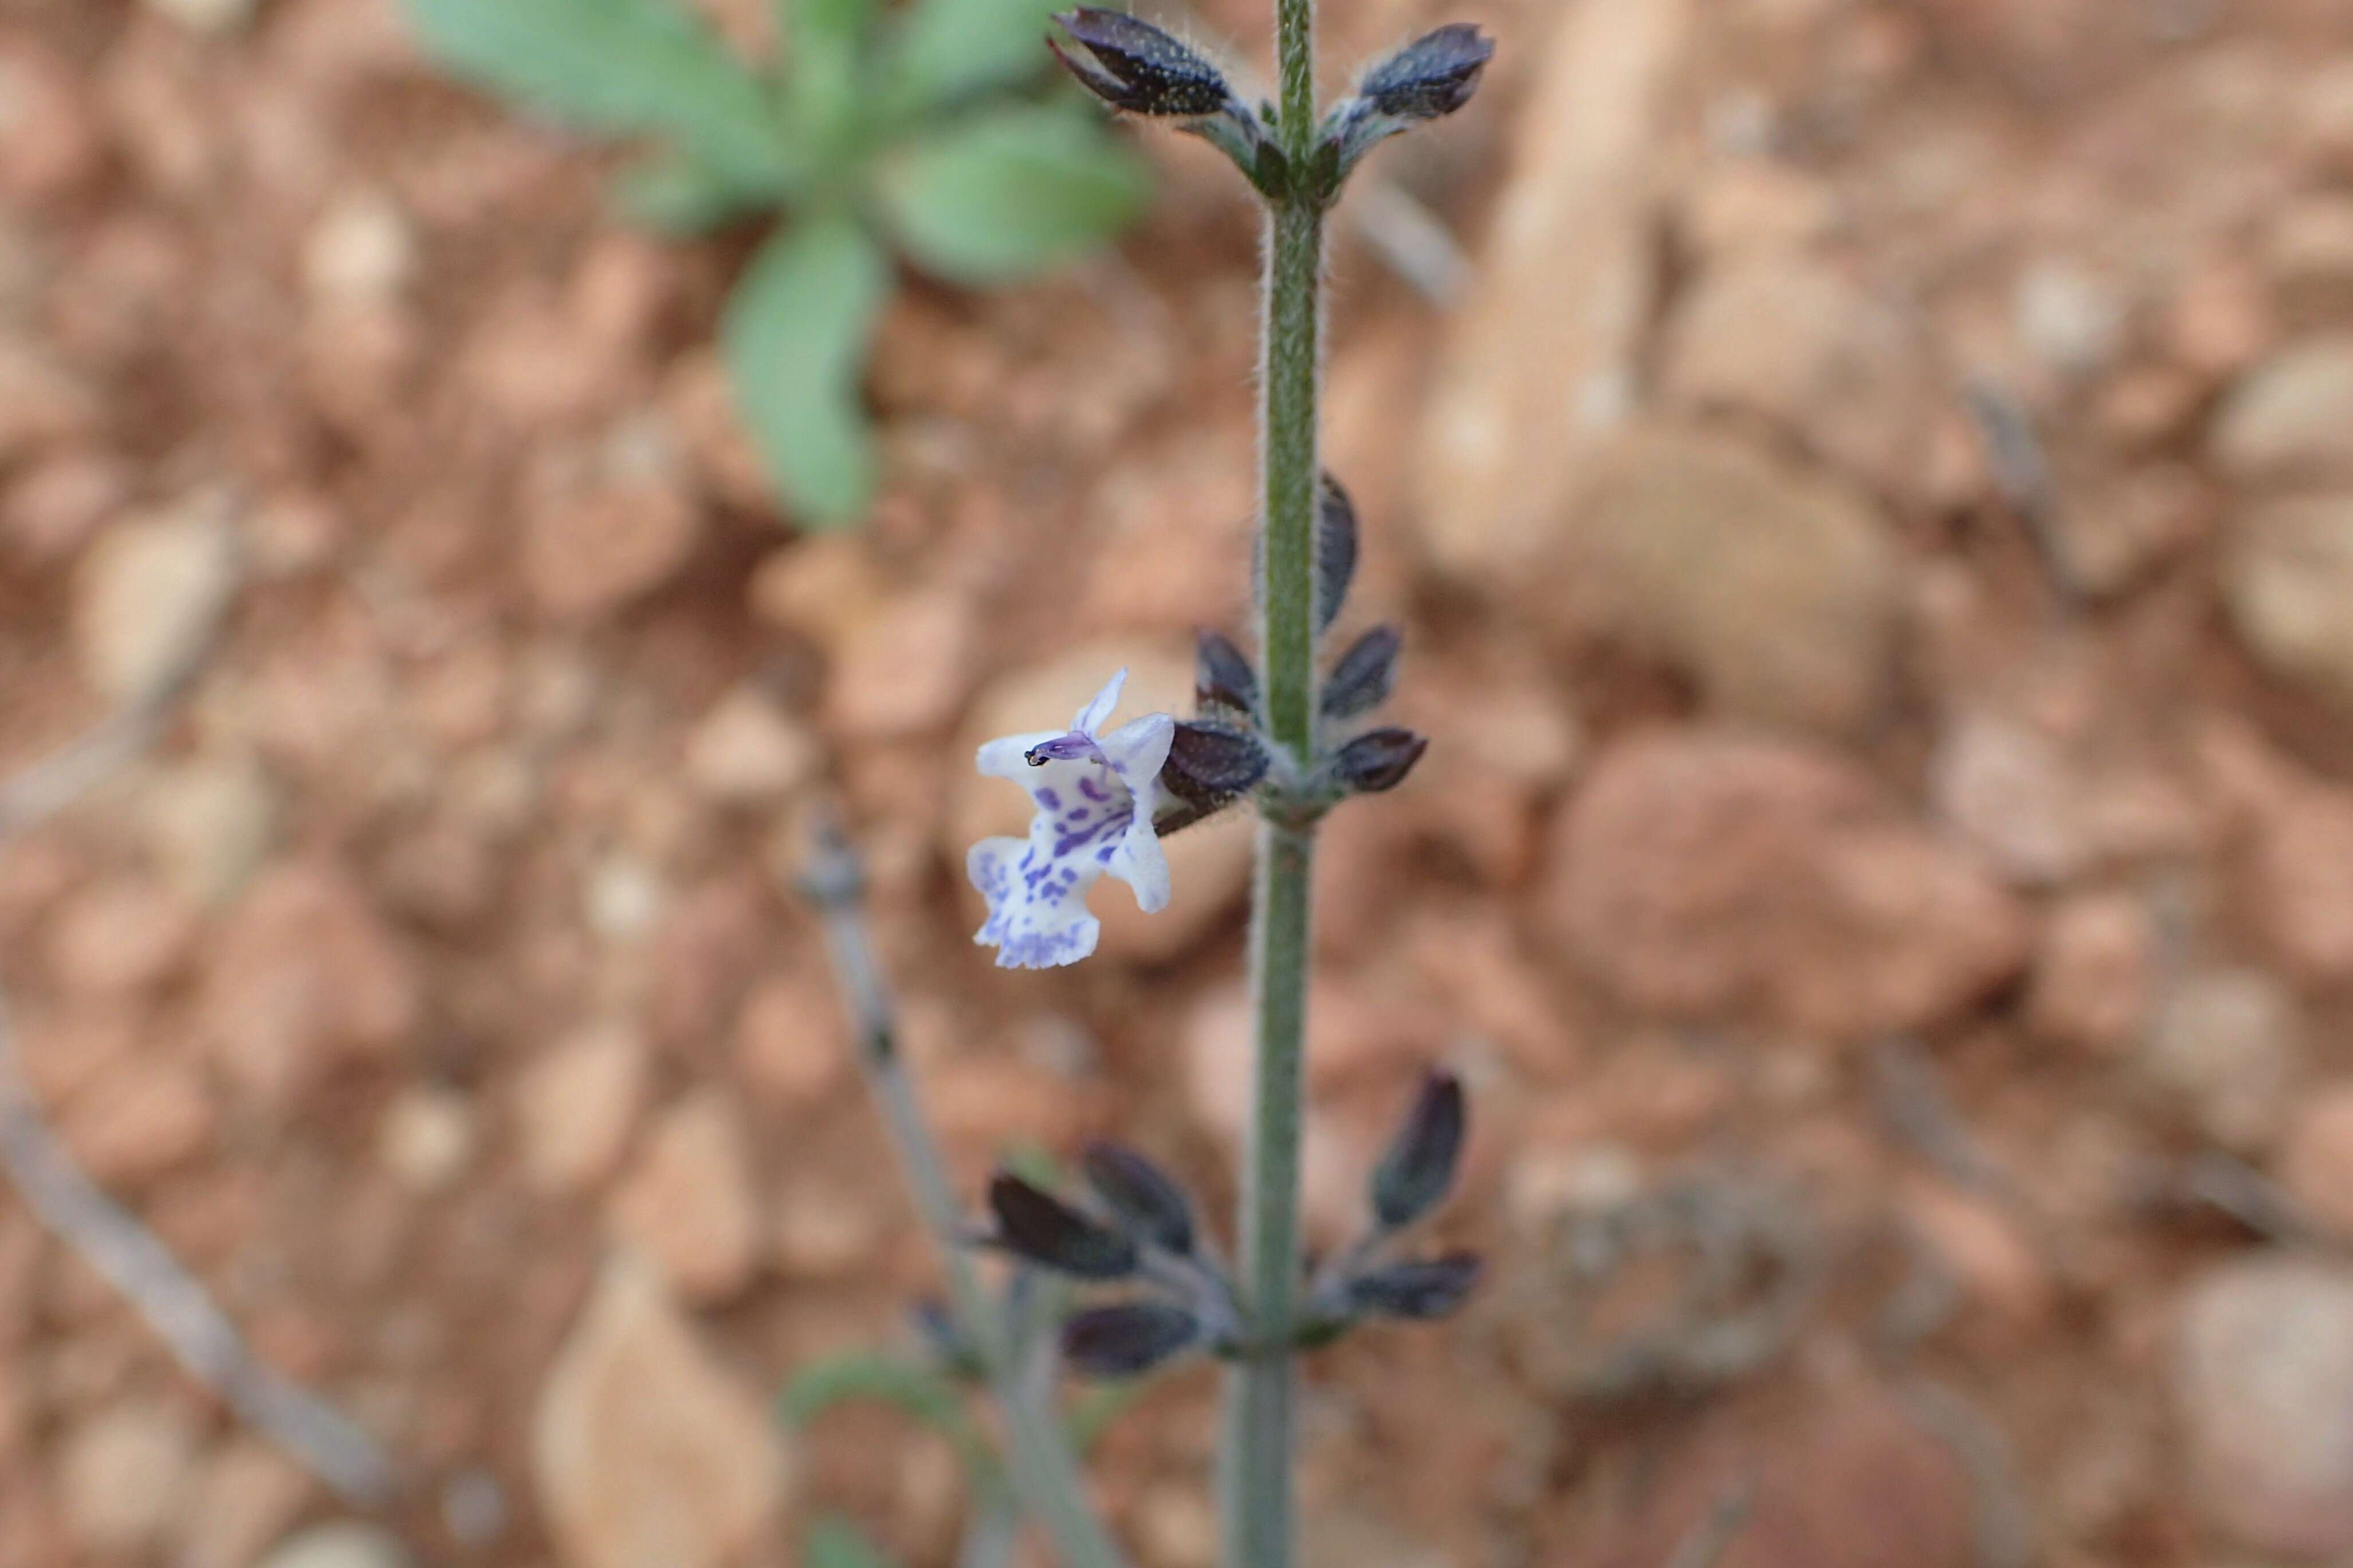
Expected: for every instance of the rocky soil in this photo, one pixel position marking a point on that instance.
(1875, 540)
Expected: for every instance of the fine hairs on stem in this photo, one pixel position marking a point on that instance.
(1276, 732)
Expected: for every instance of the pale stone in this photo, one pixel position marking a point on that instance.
(576, 1105)
(2264, 1377)
(361, 252)
(2287, 580)
(245, 1495)
(426, 1137)
(746, 749)
(2224, 1049)
(148, 594)
(210, 823)
(2285, 418)
(906, 671)
(689, 1203)
(341, 1545)
(1542, 357)
(1775, 588)
(121, 1474)
(645, 1453)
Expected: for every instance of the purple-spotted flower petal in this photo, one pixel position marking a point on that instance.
(1094, 795)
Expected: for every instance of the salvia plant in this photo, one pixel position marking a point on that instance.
(924, 132)
(1113, 1273)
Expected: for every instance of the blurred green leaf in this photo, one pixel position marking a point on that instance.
(794, 336)
(919, 1391)
(1012, 191)
(948, 50)
(636, 66)
(681, 195)
(826, 44)
(832, 1542)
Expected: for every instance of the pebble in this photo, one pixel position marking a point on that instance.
(209, 824)
(576, 1104)
(2094, 973)
(344, 1544)
(426, 1137)
(1794, 342)
(140, 1117)
(688, 1202)
(1209, 864)
(2285, 419)
(361, 253)
(118, 936)
(1775, 588)
(148, 592)
(207, 15)
(245, 1495)
(822, 588)
(120, 1475)
(2012, 790)
(2067, 318)
(1851, 1481)
(2300, 876)
(2222, 1048)
(303, 971)
(2317, 1156)
(2263, 1376)
(614, 529)
(1709, 873)
(1543, 356)
(826, 1230)
(907, 670)
(746, 751)
(2287, 576)
(792, 1049)
(644, 1450)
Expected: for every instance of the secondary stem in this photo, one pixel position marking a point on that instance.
(1045, 1474)
(1258, 1451)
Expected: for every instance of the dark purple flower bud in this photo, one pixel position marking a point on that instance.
(1336, 550)
(1223, 677)
(1365, 676)
(1379, 760)
(1134, 65)
(1418, 1170)
(1033, 1223)
(1209, 764)
(1126, 1339)
(1432, 76)
(1141, 1195)
(1428, 1288)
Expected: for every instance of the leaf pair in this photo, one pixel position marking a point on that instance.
(885, 134)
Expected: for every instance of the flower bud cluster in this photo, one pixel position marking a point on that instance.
(1138, 68)
(1138, 1228)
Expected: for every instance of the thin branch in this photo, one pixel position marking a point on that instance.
(111, 1239)
(1039, 1458)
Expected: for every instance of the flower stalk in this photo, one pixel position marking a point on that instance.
(1044, 1472)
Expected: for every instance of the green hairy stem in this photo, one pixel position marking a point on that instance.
(1255, 1485)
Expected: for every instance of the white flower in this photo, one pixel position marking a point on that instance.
(1094, 795)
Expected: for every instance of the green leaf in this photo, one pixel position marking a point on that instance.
(926, 1395)
(826, 42)
(623, 67)
(949, 50)
(1011, 191)
(794, 336)
(681, 196)
(832, 1542)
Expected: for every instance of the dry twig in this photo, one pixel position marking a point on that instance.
(107, 1235)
